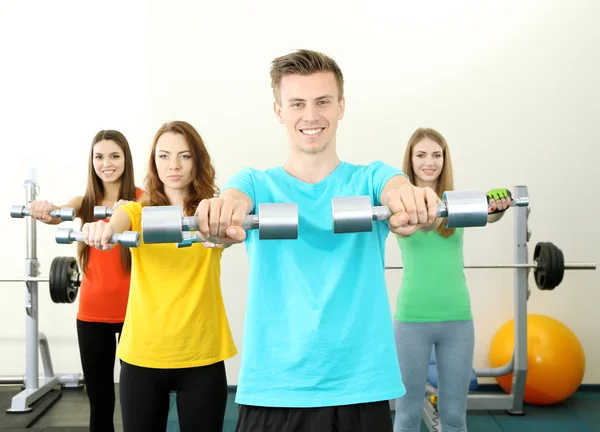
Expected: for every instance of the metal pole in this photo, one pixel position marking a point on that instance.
(521, 295)
(21, 279)
(31, 299)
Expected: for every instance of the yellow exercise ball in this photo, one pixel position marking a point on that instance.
(555, 359)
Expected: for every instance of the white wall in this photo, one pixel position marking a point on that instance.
(512, 85)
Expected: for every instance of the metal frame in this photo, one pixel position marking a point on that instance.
(512, 402)
(36, 386)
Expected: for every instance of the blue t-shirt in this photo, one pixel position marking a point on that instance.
(318, 328)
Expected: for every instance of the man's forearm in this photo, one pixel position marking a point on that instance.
(238, 195)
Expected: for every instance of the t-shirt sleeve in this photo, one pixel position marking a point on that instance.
(134, 212)
(242, 181)
(381, 173)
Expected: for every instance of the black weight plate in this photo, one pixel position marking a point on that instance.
(65, 280)
(72, 271)
(54, 279)
(550, 265)
(559, 265)
(62, 281)
(540, 271)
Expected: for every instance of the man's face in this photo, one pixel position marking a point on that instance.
(310, 110)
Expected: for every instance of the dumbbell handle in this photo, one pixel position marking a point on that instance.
(383, 213)
(191, 223)
(102, 212)
(65, 214)
(68, 236)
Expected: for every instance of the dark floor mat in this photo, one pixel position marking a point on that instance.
(18, 421)
(64, 429)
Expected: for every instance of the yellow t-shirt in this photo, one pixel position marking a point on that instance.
(175, 314)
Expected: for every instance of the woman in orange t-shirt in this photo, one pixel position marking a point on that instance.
(105, 283)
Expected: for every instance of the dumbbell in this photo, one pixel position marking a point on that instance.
(460, 208)
(68, 236)
(65, 214)
(166, 224)
(102, 212)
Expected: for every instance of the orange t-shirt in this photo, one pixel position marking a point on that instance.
(104, 288)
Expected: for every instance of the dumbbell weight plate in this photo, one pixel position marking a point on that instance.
(278, 221)
(466, 208)
(162, 224)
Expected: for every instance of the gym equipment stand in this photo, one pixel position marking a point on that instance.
(35, 386)
(512, 403)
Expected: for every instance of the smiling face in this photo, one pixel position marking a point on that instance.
(174, 162)
(109, 161)
(310, 109)
(427, 161)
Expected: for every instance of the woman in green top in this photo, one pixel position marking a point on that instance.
(433, 306)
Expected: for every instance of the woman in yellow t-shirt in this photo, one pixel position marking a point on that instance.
(176, 334)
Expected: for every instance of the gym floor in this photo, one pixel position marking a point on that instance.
(580, 413)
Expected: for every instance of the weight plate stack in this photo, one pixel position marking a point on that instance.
(54, 279)
(64, 285)
(550, 267)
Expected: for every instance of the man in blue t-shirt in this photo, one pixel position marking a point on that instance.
(318, 351)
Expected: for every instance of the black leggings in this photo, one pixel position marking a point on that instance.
(97, 349)
(201, 397)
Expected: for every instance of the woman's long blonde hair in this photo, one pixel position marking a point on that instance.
(445, 180)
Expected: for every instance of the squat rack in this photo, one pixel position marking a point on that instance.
(512, 402)
(35, 386)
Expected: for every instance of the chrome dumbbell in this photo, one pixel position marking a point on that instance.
(68, 235)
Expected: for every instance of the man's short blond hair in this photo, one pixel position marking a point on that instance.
(304, 62)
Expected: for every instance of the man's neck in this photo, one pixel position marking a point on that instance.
(111, 191)
(311, 168)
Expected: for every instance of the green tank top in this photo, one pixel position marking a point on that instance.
(434, 286)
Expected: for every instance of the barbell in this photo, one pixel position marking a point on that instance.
(65, 213)
(548, 268)
(461, 209)
(64, 279)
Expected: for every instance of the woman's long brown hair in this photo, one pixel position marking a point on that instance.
(203, 185)
(445, 180)
(94, 193)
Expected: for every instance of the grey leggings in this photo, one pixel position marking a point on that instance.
(454, 344)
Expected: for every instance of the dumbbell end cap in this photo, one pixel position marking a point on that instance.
(16, 211)
(63, 235)
(99, 212)
(67, 214)
(352, 214)
(130, 239)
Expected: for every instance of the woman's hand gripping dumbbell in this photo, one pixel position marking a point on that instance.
(99, 235)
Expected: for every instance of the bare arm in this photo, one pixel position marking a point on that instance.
(233, 196)
(119, 222)
(237, 195)
(394, 183)
(73, 202)
(492, 218)
(397, 182)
